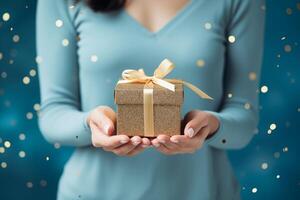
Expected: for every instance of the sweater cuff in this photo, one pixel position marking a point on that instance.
(85, 124)
(221, 137)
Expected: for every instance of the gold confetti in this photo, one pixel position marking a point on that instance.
(29, 184)
(3, 165)
(1, 56)
(2, 150)
(231, 39)
(56, 145)
(47, 158)
(22, 154)
(6, 16)
(29, 115)
(278, 176)
(200, 63)
(287, 48)
(22, 136)
(26, 80)
(273, 127)
(254, 190)
(229, 95)
(285, 149)
(16, 38)
(7, 144)
(289, 11)
(269, 131)
(264, 89)
(94, 58)
(38, 59)
(65, 42)
(252, 76)
(59, 23)
(32, 72)
(207, 26)
(36, 107)
(43, 183)
(247, 106)
(276, 155)
(3, 74)
(264, 166)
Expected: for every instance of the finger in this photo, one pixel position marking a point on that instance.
(163, 149)
(165, 141)
(136, 150)
(204, 132)
(194, 126)
(105, 120)
(104, 123)
(109, 142)
(146, 142)
(198, 140)
(180, 139)
(155, 142)
(126, 148)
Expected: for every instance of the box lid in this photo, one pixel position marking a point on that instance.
(132, 93)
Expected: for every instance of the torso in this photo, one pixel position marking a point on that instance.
(110, 43)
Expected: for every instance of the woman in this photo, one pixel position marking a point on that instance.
(83, 47)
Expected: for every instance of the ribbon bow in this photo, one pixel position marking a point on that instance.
(139, 76)
(165, 67)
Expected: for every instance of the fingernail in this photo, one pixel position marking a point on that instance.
(190, 132)
(174, 140)
(162, 141)
(145, 146)
(106, 128)
(156, 144)
(123, 141)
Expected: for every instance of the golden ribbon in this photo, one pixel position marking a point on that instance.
(139, 76)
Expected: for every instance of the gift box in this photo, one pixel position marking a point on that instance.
(150, 105)
(130, 112)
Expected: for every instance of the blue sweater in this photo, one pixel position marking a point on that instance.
(216, 45)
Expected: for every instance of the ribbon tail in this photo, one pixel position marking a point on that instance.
(148, 110)
(197, 90)
(164, 84)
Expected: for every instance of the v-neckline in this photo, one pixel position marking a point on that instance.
(163, 28)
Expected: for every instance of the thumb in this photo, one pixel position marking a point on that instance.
(105, 123)
(109, 120)
(194, 126)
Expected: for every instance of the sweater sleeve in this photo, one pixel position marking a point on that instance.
(60, 119)
(238, 114)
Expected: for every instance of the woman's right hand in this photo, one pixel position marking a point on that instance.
(102, 122)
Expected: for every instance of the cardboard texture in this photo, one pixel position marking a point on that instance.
(130, 111)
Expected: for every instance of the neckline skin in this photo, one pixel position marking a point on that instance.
(163, 28)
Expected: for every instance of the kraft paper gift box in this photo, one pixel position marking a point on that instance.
(130, 111)
(150, 105)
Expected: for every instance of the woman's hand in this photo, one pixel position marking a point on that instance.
(198, 126)
(102, 123)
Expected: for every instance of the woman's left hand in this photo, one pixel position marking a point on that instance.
(198, 126)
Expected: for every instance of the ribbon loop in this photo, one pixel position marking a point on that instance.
(163, 69)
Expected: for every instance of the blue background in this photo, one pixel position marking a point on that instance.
(35, 176)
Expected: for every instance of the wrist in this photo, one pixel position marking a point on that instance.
(213, 123)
